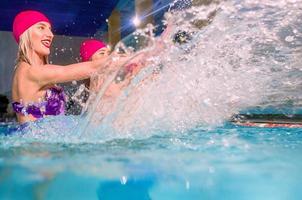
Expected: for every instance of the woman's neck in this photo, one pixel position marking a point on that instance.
(37, 59)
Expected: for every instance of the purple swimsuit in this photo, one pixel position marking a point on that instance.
(54, 104)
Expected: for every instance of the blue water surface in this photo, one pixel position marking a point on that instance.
(226, 162)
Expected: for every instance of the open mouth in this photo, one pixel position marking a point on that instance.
(46, 43)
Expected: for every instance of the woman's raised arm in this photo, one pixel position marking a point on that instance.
(52, 74)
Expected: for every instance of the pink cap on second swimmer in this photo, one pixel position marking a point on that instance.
(25, 20)
(89, 47)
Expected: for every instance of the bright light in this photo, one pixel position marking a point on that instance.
(136, 21)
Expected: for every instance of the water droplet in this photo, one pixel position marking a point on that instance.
(289, 38)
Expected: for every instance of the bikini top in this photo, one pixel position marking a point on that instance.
(54, 104)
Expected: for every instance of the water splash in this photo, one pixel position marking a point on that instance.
(242, 54)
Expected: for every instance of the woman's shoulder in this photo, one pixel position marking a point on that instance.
(22, 76)
(27, 71)
(22, 72)
(22, 67)
(22, 64)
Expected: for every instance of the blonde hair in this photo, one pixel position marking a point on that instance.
(25, 49)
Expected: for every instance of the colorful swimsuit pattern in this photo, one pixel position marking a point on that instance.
(54, 104)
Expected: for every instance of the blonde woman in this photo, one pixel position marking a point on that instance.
(34, 90)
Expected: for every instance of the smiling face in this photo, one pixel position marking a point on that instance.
(41, 38)
(101, 53)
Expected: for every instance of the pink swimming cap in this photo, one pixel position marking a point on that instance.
(89, 47)
(25, 20)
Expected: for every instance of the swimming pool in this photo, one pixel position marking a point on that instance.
(249, 54)
(226, 162)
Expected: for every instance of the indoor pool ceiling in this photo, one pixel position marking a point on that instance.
(77, 17)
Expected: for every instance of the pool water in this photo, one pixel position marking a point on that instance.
(226, 162)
